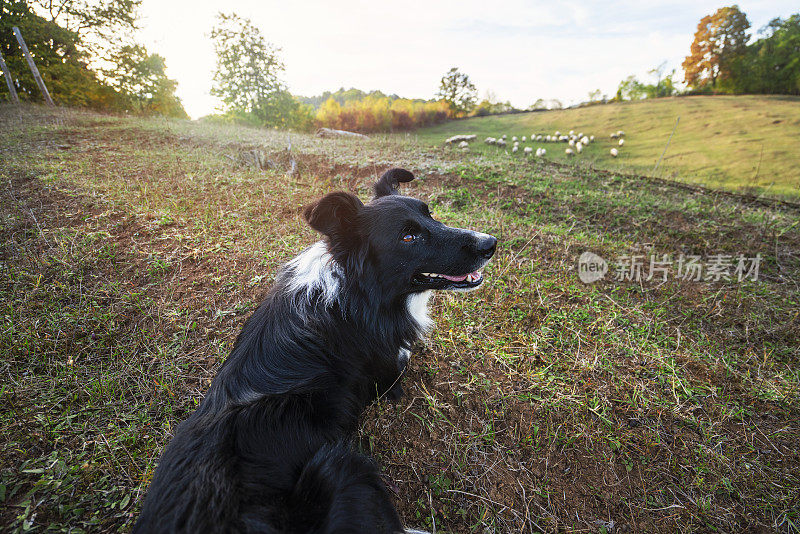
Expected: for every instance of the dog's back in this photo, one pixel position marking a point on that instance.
(268, 449)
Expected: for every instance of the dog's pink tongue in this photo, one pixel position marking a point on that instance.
(459, 278)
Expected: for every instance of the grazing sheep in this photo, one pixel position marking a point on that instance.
(501, 142)
(571, 142)
(504, 137)
(514, 138)
(572, 132)
(515, 148)
(584, 140)
(569, 152)
(557, 133)
(614, 152)
(591, 138)
(490, 140)
(460, 139)
(615, 135)
(579, 147)
(523, 138)
(621, 133)
(463, 144)
(621, 142)
(528, 150)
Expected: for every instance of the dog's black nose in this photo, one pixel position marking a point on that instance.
(486, 246)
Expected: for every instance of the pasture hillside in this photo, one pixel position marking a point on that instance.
(132, 251)
(739, 143)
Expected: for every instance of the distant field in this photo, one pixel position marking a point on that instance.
(718, 142)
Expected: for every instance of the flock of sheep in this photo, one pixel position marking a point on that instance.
(577, 142)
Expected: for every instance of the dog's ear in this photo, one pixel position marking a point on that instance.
(334, 214)
(391, 179)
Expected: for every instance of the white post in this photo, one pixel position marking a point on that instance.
(9, 82)
(32, 65)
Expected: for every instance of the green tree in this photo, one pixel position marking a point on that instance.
(458, 91)
(140, 79)
(55, 50)
(631, 89)
(719, 40)
(539, 104)
(771, 64)
(103, 26)
(246, 78)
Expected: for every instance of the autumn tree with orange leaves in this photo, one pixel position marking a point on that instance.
(719, 39)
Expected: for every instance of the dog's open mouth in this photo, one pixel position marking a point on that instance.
(449, 281)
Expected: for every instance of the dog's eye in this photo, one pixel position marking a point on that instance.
(408, 238)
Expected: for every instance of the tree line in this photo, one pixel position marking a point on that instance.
(723, 60)
(86, 55)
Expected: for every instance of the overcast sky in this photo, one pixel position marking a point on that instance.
(519, 50)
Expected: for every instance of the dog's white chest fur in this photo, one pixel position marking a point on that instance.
(417, 304)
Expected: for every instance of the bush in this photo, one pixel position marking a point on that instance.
(381, 114)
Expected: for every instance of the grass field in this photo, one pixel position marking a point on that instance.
(132, 250)
(740, 143)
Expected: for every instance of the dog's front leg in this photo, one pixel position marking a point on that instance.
(395, 393)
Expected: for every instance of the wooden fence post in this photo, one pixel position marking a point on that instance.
(32, 65)
(9, 82)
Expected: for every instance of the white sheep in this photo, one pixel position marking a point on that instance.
(569, 152)
(621, 142)
(504, 137)
(490, 140)
(584, 140)
(615, 135)
(591, 138)
(514, 138)
(523, 138)
(572, 132)
(463, 144)
(501, 142)
(614, 152)
(621, 133)
(515, 148)
(528, 150)
(579, 147)
(557, 133)
(571, 142)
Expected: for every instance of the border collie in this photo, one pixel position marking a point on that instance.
(270, 448)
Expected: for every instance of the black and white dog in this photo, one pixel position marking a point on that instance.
(269, 449)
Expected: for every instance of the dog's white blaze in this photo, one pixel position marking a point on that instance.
(313, 269)
(417, 304)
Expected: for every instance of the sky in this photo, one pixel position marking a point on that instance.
(518, 50)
